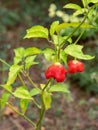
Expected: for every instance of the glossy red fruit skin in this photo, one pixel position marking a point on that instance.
(80, 66)
(56, 71)
(75, 66)
(50, 72)
(72, 68)
(60, 78)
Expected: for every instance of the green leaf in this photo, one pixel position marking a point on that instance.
(60, 87)
(84, 2)
(47, 100)
(35, 91)
(60, 40)
(63, 56)
(37, 32)
(19, 54)
(48, 53)
(53, 27)
(90, 15)
(29, 61)
(32, 51)
(4, 99)
(76, 51)
(14, 70)
(92, 1)
(42, 86)
(72, 6)
(7, 87)
(73, 24)
(22, 93)
(24, 105)
(57, 39)
(81, 11)
(69, 39)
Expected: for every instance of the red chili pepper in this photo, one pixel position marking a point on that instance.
(75, 66)
(56, 71)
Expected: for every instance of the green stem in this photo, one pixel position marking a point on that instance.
(31, 80)
(4, 62)
(31, 99)
(43, 110)
(59, 48)
(49, 81)
(21, 79)
(79, 37)
(7, 90)
(76, 28)
(39, 124)
(18, 74)
(80, 23)
(36, 103)
(82, 30)
(22, 115)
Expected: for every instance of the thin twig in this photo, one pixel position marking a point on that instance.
(80, 23)
(21, 114)
(10, 66)
(36, 103)
(79, 37)
(4, 62)
(31, 81)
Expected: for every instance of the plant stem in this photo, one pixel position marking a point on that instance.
(10, 66)
(4, 62)
(36, 103)
(31, 99)
(43, 110)
(80, 23)
(39, 124)
(76, 28)
(23, 83)
(31, 80)
(22, 115)
(59, 48)
(79, 37)
(47, 84)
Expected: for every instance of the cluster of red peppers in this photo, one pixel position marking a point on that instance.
(58, 71)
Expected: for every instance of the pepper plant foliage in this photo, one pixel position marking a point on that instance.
(58, 55)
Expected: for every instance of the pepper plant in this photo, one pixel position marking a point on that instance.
(56, 73)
